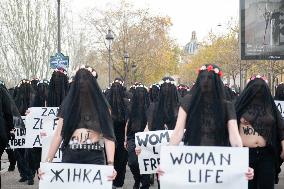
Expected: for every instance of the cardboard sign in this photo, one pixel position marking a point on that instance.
(197, 167)
(150, 144)
(20, 137)
(46, 143)
(75, 176)
(280, 106)
(40, 122)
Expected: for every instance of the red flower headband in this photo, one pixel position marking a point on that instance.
(211, 68)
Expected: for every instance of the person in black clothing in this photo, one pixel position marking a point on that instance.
(262, 130)
(58, 88)
(10, 118)
(166, 109)
(85, 127)
(279, 93)
(208, 117)
(182, 89)
(24, 99)
(119, 104)
(154, 91)
(136, 123)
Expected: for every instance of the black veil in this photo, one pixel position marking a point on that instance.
(41, 93)
(139, 105)
(279, 94)
(86, 107)
(154, 92)
(115, 98)
(206, 122)
(58, 88)
(166, 109)
(257, 89)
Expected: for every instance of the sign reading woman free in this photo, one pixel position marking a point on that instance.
(150, 144)
(201, 167)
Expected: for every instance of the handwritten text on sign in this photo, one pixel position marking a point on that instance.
(150, 144)
(280, 106)
(204, 167)
(46, 144)
(20, 137)
(75, 176)
(40, 122)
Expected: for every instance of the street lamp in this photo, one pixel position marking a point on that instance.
(58, 28)
(109, 38)
(126, 59)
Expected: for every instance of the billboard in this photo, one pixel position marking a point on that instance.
(262, 29)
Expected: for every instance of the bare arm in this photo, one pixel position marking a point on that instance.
(234, 135)
(110, 148)
(56, 141)
(125, 132)
(179, 129)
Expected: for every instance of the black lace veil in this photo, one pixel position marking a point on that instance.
(86, 107)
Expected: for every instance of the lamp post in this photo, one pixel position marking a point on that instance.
(58, 28)
(109, 38)
(126, 59)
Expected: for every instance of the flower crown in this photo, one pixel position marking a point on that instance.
(61, 70)
(156, 84)
(141, 86)
(118, 81)
(45, 81)
(90, 69)
(167, 81)
(210, 68)
(258, 77)
(24, 81)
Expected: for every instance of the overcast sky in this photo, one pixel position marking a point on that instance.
(187, 15)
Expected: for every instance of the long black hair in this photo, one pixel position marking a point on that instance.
(86, 105)
(154, 92)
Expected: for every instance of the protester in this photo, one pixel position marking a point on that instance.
(85, 125)
(279, 93)
(136, 123)
(262, 130)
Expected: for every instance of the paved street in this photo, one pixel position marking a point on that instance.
(10, 179)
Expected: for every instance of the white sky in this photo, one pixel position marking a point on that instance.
(187, 15)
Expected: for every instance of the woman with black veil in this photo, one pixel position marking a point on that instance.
(262, 130)
(119, 103)
(137, 122)
(279, 93)
(10, 118)
(182, 89)
(24, 99)
(209, 119)
(85, 127)
(154, 91)
(166, 109)
(58, 88)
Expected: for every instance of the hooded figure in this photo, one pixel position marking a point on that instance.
(136, 123)
(25, 96)
(166, 109)
(154, 92)
(58, 88)
(182, 89)
(42, 93)
(119, 103)
(279, 94)
(262, 130)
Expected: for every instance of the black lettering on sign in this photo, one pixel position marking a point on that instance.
(38, 124)
(55, 123)
(146, 163)
(37, 140)
(190, 177)
(228, 159)
(56, 175)
(77, 175)
(210, 159)
(48, 113)
(218, 176)
(176, 159)
(154, 150)
(44, 112)
(98, 177)
(86, 175)
(153, 139)
(206, 175)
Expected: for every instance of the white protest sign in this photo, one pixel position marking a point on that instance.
(20, 137)
(197, 167)
(75, 176)
(280, 106)
(40, 122)
(45, 147)
(150, 144)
